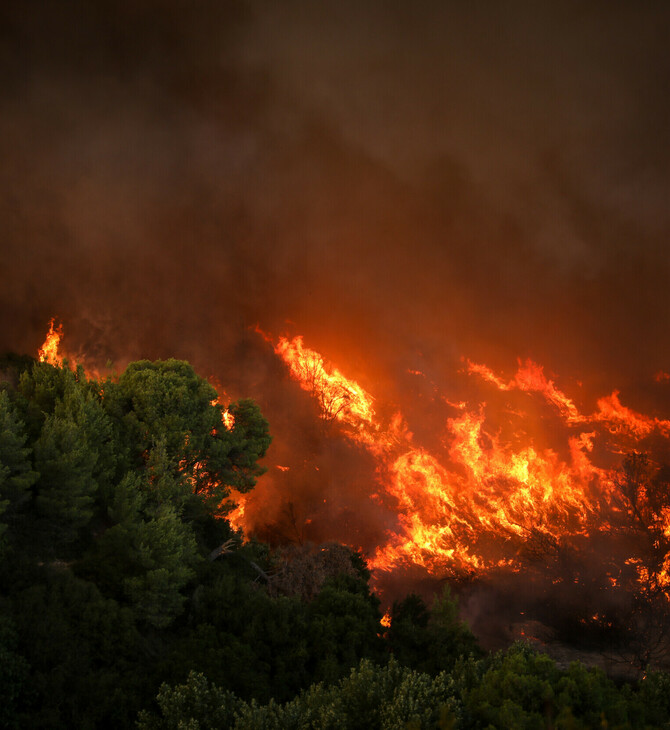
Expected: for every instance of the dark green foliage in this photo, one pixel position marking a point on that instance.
(66, 489)
(244, 640)
(108, 498)
(14, 673)
(83, 650)
(149, 554)
(429, 641)
(16, 473)
(344, 626)
(263, 646)
(167, 403)
(235, 455)
(369, 697)
(41, 389)
(119, 575)
(524, 689)
(196, 704)
(515, 689)
(12, 366)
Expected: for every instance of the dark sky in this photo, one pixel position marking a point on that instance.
(406, 183)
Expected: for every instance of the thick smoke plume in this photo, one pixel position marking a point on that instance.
(405, 184)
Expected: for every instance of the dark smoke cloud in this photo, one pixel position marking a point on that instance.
(407, 183)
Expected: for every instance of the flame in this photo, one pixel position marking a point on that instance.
(52, 353)
(338, 397)
(228, 419)
(49, 351)
(530, 377)
(236, 516)
(620, 418)
(473, 505)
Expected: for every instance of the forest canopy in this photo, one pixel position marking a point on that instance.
(127, 599)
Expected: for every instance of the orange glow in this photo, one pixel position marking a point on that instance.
(620, 418)
(530, 377)
(49, 351)
(228, 419)
(52, 353)
(236, 516)
(475, 505)
(338, 397)
(493, 481)
(386, 620)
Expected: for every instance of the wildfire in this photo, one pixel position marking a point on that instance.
(228, 419)
(52, 353)
(472, 506)
(236, 516)
(471, 503)
(620, 418)
(49, 351)
(530, 377)
(338, 397)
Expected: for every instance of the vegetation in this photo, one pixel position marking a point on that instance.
(127, 600)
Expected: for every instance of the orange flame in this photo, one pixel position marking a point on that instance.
(472, 507)
(531, 378)
(228, 419)
(620, 418)
(236, 516)
(338, 397)
(49, 351)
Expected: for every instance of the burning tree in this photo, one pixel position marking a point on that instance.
(337, 396)
(644, 503)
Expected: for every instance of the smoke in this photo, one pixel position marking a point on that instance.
(404, 184)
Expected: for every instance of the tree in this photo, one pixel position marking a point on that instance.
(430, 640)
(110, 495)
(14, 672)
(167, 403)
(73, 447)
(86, 657)
(408, 634)
(344, 627)
(389, 697)
(191, 706)
(16, 473)
(524, 689)
(40, 389)
(643, 491)
(66, 488)
(149, 554)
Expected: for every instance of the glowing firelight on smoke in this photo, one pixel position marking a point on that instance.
(470, 504)
(471, 507)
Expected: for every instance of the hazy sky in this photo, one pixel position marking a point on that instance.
(402, 181)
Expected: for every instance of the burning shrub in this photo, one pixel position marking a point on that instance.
(302, 570)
